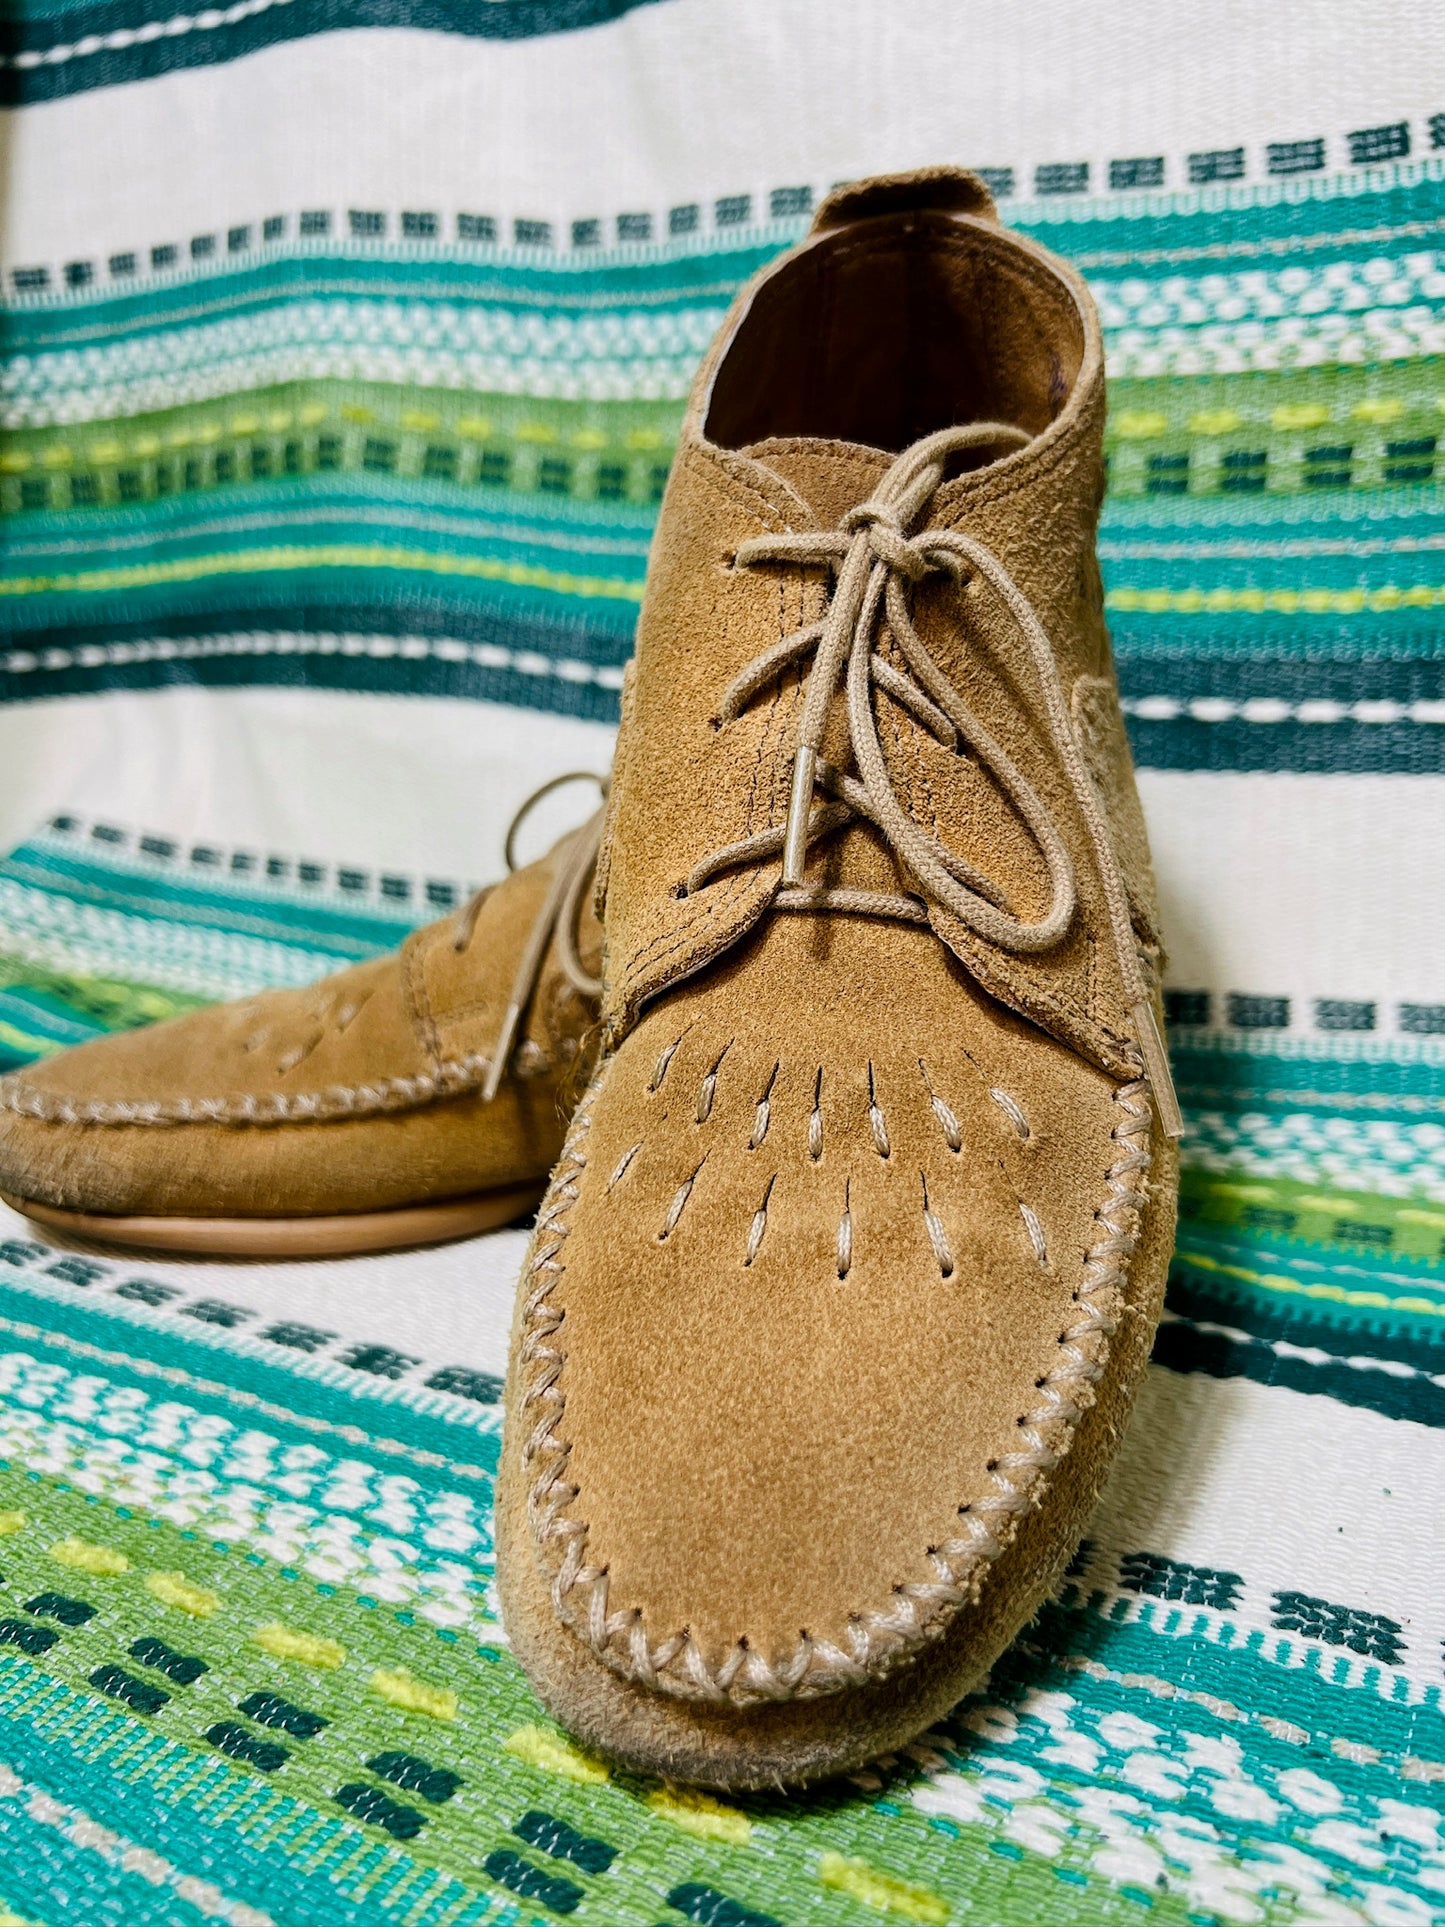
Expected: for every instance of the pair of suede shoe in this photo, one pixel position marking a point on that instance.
(853, 1250)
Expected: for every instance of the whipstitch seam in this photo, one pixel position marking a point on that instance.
(676, 1663)
(452, 1078)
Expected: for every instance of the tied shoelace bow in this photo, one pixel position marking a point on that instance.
(875, 560)
(557, 917)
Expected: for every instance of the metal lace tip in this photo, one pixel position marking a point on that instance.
(1156, 1070)
(502, 1053)
(800, 809)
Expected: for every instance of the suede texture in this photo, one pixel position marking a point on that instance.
(799, 1741)
(358, 1094)
(849, 1268)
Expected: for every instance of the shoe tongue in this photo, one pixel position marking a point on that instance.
(831, 477)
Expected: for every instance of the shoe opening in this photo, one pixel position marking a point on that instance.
(887, 330)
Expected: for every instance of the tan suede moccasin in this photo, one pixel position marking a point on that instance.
(418, 1097)
(850, 1268)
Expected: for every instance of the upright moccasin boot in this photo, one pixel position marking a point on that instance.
(852, 1261)
(421, 1096)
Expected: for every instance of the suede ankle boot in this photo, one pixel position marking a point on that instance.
(850, 1268)
(418, 1097)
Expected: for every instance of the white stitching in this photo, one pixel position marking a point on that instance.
(764, 1112)
(815, 1121)
(876, 1119)
(1035, 1231)
(707, 1090)
(621, 1167)
(676, 1664)
(1013, 1111)
(937, 1236)
(678, 1205)
(947, 1122)
(759, 1224)
(450, 1079)
(659, 1070)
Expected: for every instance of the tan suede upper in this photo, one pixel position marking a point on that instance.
(831, 1265)
(356, 1094)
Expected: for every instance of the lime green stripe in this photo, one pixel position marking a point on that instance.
(337, 555)
(1416, 1228)
(24, 1043)
(1282, 1282)
(1290, 602)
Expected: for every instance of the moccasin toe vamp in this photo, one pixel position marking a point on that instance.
(811, 1326)
(359, 1094)
(210, 1111)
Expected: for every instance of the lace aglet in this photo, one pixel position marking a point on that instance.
(1156, 1069)
(502, 1053)
(800, 808)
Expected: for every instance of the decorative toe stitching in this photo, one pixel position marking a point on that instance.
(676, 1664)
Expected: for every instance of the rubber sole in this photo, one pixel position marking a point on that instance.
(346, 1235)
(797, 1742)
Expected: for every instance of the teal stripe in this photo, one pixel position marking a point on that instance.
(1403, 636)
(590, 536)
(1366, 537)
(310, 928)
(166, 1797)
(1233, 1670)
(1396, 1087)
(1312, 1268)
(658, 281)
(367, 1414)
(600, 629)
(1195, 229)
(1159, 242)
(43, 1872)
(1334, 572)
(1358, 517)
(44, 1017)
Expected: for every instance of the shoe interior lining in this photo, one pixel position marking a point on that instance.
(886, 332)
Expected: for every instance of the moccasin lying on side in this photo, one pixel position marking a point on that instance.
(352, 1115)
(851, 1265)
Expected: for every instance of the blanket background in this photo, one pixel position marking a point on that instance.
(341, 353)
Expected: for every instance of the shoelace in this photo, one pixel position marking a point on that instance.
(556, 917)
(874, 559)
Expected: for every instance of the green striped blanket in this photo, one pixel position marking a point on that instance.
(342, 351)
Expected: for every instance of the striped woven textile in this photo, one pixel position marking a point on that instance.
(342, 358)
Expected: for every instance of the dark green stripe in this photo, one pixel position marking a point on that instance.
(1415, 748)
(1283, 678)
(1407, 749)
(1207, 1297)
(517, 20)
(507, 687)
(198, 1843)
(1183, 1347)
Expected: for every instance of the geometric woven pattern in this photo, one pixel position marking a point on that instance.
(343, 349)
(249, 1659)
